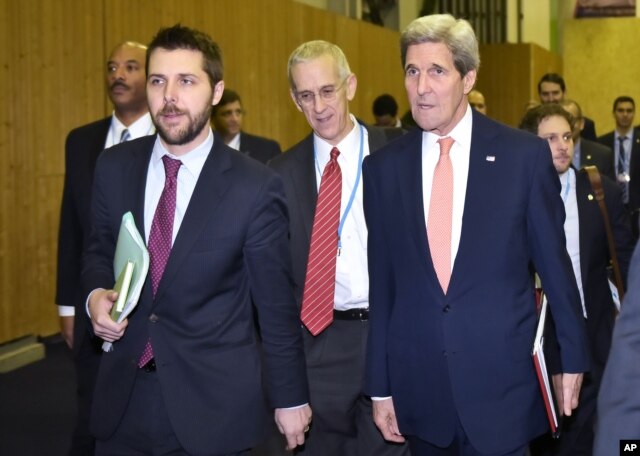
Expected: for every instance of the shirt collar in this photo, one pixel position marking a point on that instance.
(193, 160)
(461, 133)
(348, 147)
(141, 127)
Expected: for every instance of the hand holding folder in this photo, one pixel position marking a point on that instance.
(130, 267)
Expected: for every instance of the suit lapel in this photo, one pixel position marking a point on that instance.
(212, 184)
(304, 182)
(482, 135)
(409, 176)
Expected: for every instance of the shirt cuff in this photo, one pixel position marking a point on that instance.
(66, 311)
(86, 304)
(376, 398)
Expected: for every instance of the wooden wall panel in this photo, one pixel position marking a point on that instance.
(52, 80)
(509, 75)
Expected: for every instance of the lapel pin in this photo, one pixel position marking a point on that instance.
(491, 158)
(590, 197)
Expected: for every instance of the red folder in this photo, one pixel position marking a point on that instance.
(544, 378)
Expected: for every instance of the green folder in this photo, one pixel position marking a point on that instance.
(130, 264)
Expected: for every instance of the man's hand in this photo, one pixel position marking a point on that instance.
(100, 303)
(384, 416)
(66, 329)
(293, 423)
(571, 384)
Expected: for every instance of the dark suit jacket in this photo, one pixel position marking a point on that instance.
(589, 130)
(262, 149)
(599, 155)
(297, 168)
(82, 148)
(619, 399)
(634, 166)
(594, 257)
(231, 249)
(467, 354)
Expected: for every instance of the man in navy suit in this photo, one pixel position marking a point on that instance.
(227, 116)
(587, 246)
(619, 399)
(625, 143)
(186, 372)
(449, 359)
(552, 89)
(125, 81)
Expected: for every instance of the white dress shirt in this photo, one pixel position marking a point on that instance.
(141, 127)
(192, 163)
(572, 226)
(235, 142)
(459, 154)
(352, 275)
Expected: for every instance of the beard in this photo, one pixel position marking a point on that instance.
(182, 136)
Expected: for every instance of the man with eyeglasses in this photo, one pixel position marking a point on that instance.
(328, 237)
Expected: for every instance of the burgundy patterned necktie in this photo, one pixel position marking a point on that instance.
(160, 238)
(320, 282)
(440, 214)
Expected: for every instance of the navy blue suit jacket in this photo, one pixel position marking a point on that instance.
(82, 147)
(262, 149)
(231, 250)
(469, 352)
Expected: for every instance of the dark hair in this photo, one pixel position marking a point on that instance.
(385, 104)
(228, 96)
(623, 99)
(180, 37)
(554, 78)
(534, 116)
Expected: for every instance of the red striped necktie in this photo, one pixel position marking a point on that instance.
(320, 282)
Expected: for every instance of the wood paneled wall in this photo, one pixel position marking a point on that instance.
(52, 75)
(509, 75)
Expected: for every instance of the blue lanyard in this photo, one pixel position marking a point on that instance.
(355, 186)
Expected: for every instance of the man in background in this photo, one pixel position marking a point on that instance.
(477, 102)
(227, 117)
(625, 142)
(587, 245)
(385, 111)
(125, 83)
(587, 152)
(457, 211)
(328, 238)
(552, 89)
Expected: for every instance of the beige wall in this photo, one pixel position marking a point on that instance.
(600, 64)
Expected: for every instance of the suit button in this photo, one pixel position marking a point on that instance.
(153, 318)
(446, 308)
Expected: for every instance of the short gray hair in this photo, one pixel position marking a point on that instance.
(312, 50)
(456, 34)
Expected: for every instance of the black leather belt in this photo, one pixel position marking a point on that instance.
(150, 366)
(361, 314)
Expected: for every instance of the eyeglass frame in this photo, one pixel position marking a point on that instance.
(326, 97)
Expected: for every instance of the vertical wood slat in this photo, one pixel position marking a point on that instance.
(49, 64)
